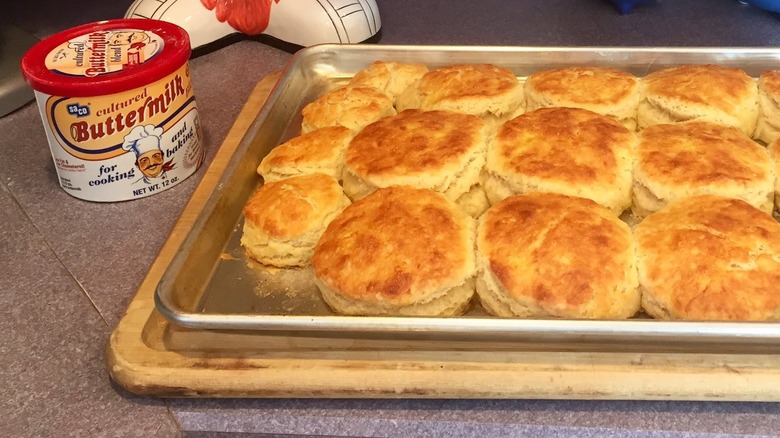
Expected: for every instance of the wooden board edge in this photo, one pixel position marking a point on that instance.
(313, 378)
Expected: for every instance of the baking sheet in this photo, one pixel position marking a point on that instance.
(211, 284)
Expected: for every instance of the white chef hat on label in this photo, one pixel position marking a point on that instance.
(143, 139)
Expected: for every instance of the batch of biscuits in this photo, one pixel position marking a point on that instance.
(581, 192)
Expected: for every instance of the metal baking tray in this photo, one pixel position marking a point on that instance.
(211, 284)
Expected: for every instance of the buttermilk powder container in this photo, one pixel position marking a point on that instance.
(118, 108)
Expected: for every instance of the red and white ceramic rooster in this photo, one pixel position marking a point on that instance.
(301, 22)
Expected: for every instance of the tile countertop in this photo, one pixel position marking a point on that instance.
(69, 267)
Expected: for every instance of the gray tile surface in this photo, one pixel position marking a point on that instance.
(471, 430)
(394, 417)
(577, 23)
(51, 352)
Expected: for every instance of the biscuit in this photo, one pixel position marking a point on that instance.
(722, 95)
(768, 126)
(350, 107)
(399, 251)
(774, 155)
(283, 220)
(605, 91)
(709, 258)
(570, 151)
(475, 201)
(484, 90)
(438, 150)
(692, 158)
(391, 77)
(543, 255)
(319, 151)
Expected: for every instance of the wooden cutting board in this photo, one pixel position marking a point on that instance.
(148, 355)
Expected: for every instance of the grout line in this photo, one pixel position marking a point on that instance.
(173, 418)
(5, 188)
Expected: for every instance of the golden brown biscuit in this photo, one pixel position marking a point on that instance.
(550, 255)
(283, 220)
(774, 154)
(479, 89)
(351, 107)
(768, 126)
(722, 95)
(391, 77)
(319, 151)
(606, 91)
(437, 150)
(399, 251)
(710, 258)
(562, 150)
(686, 159)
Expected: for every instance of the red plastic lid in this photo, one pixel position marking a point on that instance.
(106, 57)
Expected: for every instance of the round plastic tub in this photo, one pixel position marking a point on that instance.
(118, 107)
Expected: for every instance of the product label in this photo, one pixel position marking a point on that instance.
(104, 51)
(125, 145)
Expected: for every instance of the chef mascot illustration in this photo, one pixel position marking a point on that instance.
(144, 142)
